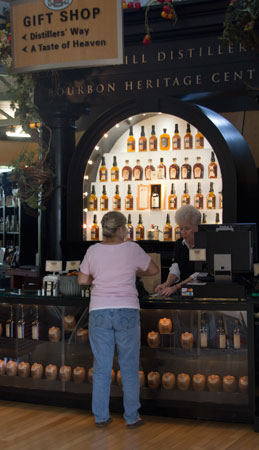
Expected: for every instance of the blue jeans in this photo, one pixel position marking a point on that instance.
(108, 327)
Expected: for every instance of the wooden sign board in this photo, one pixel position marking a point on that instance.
(49, 34)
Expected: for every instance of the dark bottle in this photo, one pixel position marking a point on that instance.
(186, 170)
(35, 326)
(174, 171)
(221, 340)
(176, 141)
(126, 171)
(21, 325)
(137, 171)
(153, 140)
(142, 142)
(130, 229)
(198, 199)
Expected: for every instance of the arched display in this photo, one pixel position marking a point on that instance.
(239, 176)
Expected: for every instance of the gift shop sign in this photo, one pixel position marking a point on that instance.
(49, 34)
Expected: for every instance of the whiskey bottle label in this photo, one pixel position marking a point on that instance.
(199, 142)
(142, 146)
(129, 203)
(153, 145)
(125, 174)
(131, 146)
(204, 340)
(35, 332)
(198, 202)
(115, 175)
(130, 233)
(20, 331)
(173, 203)
(237, 341)
(187, 143)
(95, 234)
(103, 175)
(197, 172)
(116, 204)
(176, 143)
(92, 204)
(139, 233)
(164, 142)
(137, 174)
(173, 173)
(213, 171)
(222, 341)
(104, 204)
(155, 201)
(160, 173)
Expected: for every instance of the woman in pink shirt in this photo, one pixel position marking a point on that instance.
(111, 267)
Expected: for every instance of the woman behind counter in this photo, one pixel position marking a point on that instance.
(111, 267)
(182, 270)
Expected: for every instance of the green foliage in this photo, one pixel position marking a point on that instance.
(242, 23)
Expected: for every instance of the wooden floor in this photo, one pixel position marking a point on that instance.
(37, 427)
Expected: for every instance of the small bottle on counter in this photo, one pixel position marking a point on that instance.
(21, 325)
(35, 326)
(236, 336)
(9, 325)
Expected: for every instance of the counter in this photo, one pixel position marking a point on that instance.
(176, 364)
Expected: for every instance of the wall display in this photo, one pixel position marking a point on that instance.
(159, 164)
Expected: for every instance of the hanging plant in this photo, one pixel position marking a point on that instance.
(241, 23)
(34, 176)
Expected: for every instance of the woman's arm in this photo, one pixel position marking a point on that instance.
(151, 270)
(84, 279)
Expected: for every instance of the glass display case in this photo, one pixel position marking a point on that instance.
(194, 355)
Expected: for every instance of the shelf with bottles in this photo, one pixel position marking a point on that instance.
(182, 164)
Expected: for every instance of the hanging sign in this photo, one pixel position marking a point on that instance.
(49, 34)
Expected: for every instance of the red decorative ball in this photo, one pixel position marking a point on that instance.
(130, 5)
(137, 5)
(146, 40)
(161, 1)
(166, 8)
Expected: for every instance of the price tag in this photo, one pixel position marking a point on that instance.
(72, 265)
(53, 266)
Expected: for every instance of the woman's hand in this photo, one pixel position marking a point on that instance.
(167, 291)
(160, 287)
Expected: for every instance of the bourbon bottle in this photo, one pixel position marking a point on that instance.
(177, 232)
(126, 172)
(212, 167)
(220, 200)
(116, 200)
(149, 169)
(186, 170)
(199, 140)
(176, 140)
(161, 170)
(188, 140)
(131, 141)
(21, 325)
(217, 219)
(172, 198)
(93, 200)
(174, 171)
(153, 140)
(164, 140)
(142, 142)
(114, 170)
(129, 200)
(104, 201)
(95, 230)
(185, 199)
(204, 218)
(140, 230)
(167, 230)
(155, 198)
(198, 199)
(130, 229)
(198, 168)
(211, 198)
(137, 171)
(103, 172)
(35, 326)
(9, 325)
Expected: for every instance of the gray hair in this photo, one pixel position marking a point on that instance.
(111, 221)
(188, 214)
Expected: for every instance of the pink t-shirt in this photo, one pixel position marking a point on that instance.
(113, 268)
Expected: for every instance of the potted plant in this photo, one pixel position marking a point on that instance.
(242, 23)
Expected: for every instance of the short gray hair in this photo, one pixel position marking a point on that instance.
(188, 214)
(111, 221)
